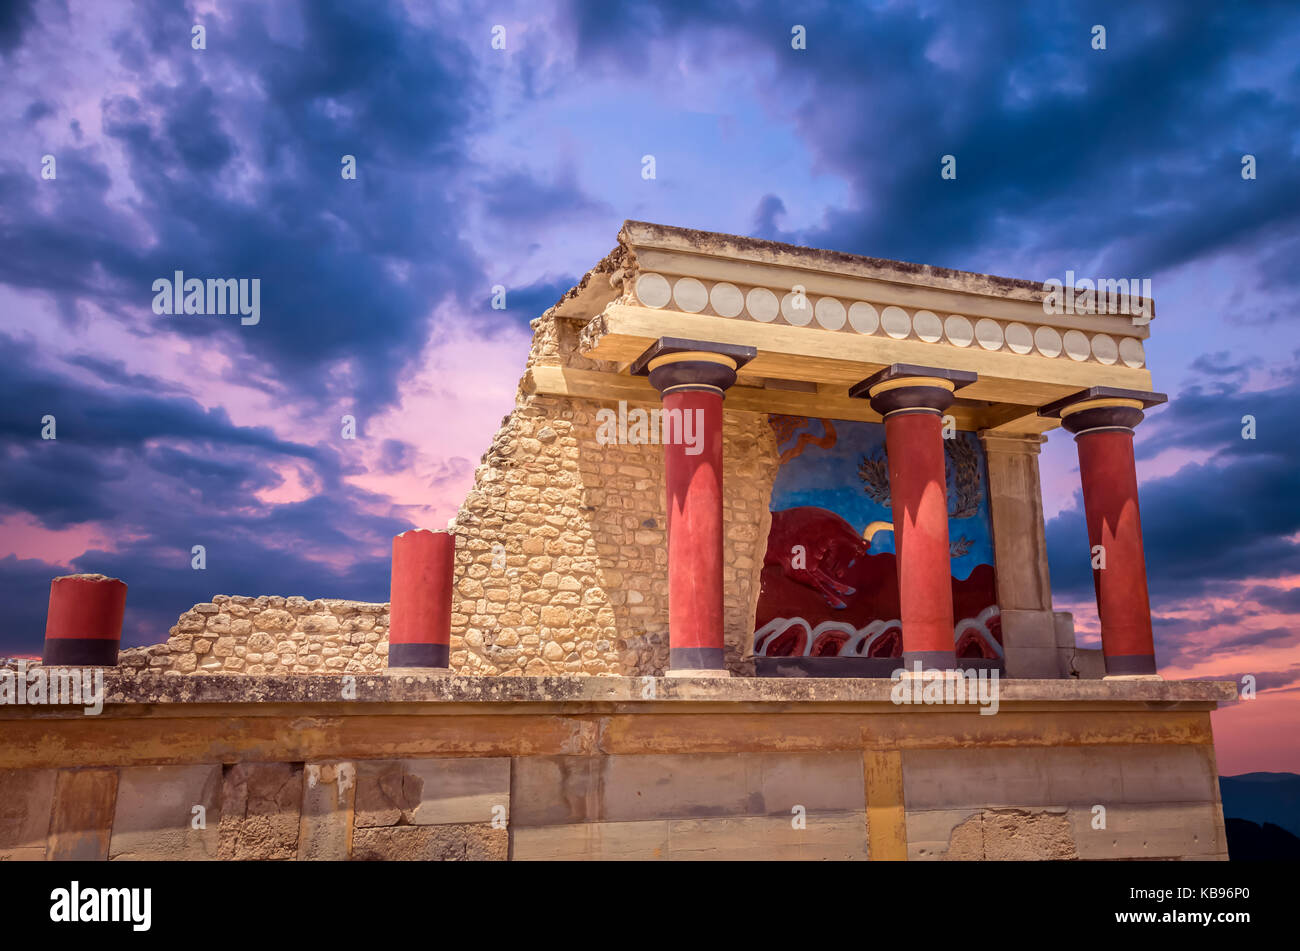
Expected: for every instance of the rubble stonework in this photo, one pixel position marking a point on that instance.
(562, 545)
(562, 558)
(270, 635)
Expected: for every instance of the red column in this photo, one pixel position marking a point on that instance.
(693, 377)
(919, 501)
(1110, 502)
(419, 610)
(694, 497)
(912, 400)
(83, 626)
(1102, 420)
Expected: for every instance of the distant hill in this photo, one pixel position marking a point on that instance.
(1248, 842)
(1263, 798)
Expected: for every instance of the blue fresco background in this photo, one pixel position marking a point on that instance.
(828, 479)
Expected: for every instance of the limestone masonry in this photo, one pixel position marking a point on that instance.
(270, 635)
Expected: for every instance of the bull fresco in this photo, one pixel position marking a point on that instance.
(829, 580)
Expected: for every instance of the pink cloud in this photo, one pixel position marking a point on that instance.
(24, 536)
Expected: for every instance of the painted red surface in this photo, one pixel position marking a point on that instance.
(1110, 501)
(864, 590)
(420, 599)
(814, 547)
(85, 607)
(914, 442)
(694, 492)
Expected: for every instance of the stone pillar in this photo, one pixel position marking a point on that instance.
(1030, 635)
(693, 376)
(1102, 420)
(912, 400)
(419, 622)
(83, 626)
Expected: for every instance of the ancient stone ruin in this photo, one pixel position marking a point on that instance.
(746, 486)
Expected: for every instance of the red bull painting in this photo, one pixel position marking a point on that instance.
(829, 578)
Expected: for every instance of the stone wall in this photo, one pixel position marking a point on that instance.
(269, 635)
(562, 557)
(428, 767)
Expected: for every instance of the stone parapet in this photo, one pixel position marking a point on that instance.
(232, 634)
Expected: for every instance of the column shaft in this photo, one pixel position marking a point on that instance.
(695, 544)
(919, 500)
(1102, 420)
(419, 610)
(693, 377)
(912, 400)
(1110, 501)
(83, 626)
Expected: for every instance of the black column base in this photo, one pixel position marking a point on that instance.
(696, 658)
(929, 660)
(419, 655)
(80, 652)
(1130, 665)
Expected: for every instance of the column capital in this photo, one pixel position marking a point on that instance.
(908, 388)
(1102, 408)
(1026, 444)
(675, 364)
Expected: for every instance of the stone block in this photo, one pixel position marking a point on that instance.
(261, 805)
(630, 788)
(830, 837)
(23, 855)
(386, 795)
(948, 779)
(1088, 663)
(1012, 776)
(461, 790)
(1028, 628)
(81, 818)
(26, 796)
(929, 831)
(1063, 622)
(328, 802)
(1036, 663)
(991, 834)
(820, 782)
(1149, 831)
(479, 842)
(1023, 835)
(1167, 774)
(592, 841)
(155, 815)
(551, 790)
(678, 786)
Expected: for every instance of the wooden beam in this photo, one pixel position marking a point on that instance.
(612, 387)
(1013, 419)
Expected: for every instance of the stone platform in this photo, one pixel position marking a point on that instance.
(409, 767)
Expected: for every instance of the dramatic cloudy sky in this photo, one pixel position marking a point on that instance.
(479, 166)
